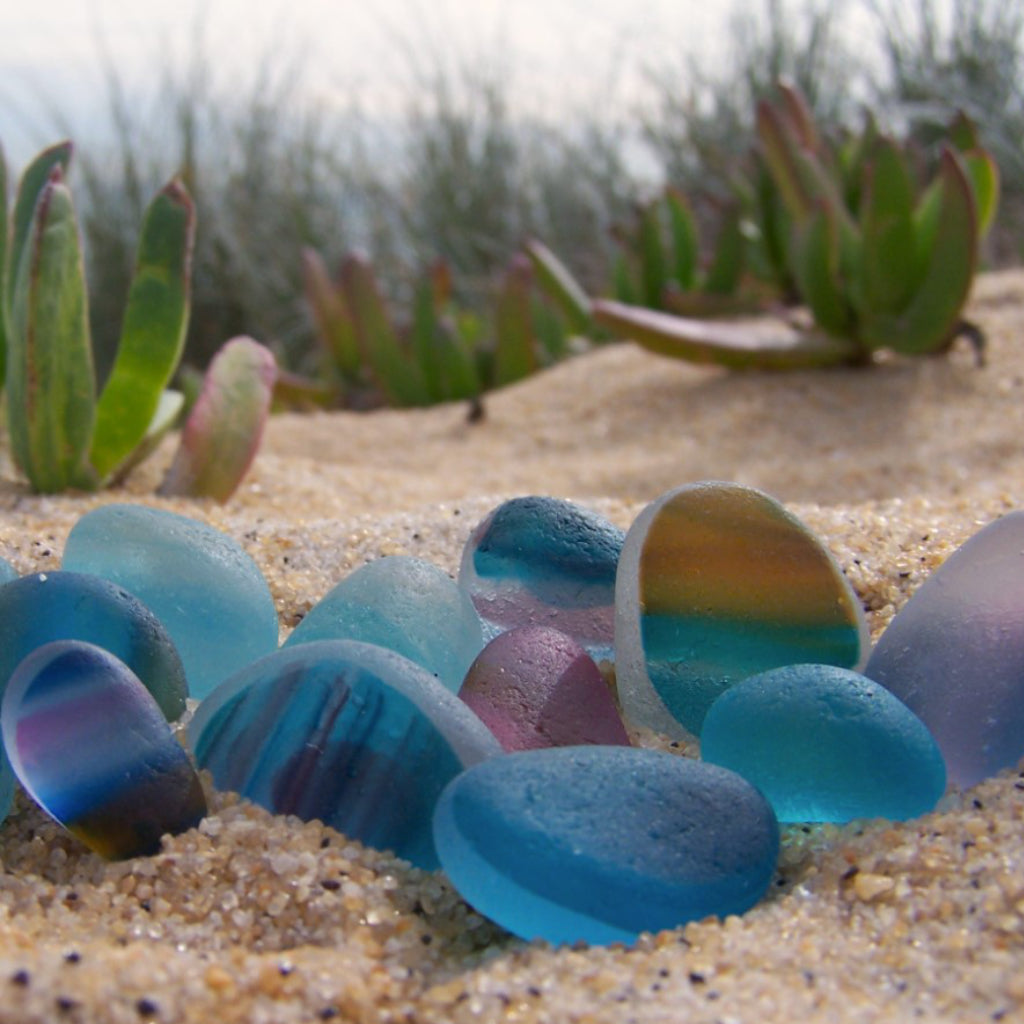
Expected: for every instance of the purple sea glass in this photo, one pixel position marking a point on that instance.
(90, 745)
(954, 654)
(536, 687)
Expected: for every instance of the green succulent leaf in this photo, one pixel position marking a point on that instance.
(168, 410)
(395, 372)
(984, 176)
(623, 286)
(515, 349)
(50, 386)
(727, 263)
(153, 332)
(425, 333)
(736, 345)
(930, 318)
(963, 133)
(653, 258)
(685, 247)
(332, 319)
(557, 282)
(3, 263)
(816, 266)
(224, 429)
(779, 150)
(887, 231)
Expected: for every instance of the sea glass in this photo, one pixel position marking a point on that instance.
(718, 582)
(602, 843)
(349, 733)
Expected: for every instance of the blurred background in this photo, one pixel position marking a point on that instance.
(455, 130)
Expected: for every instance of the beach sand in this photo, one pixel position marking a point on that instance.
(257, 918)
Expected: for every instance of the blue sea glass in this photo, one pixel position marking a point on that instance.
(825, 744)
(208, 593)
(350, 733)
(718, 582)
(407, 605)
(7, 572)
(602, 843)
(47, 606)
(536, 687)
(538, 561)
(954, 654)
(91, 746)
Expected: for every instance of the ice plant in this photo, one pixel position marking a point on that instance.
(62, 434)
(879, 262)
(440, 351)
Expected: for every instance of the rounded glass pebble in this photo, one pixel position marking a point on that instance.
(407, 605)
(47, 606)
(602, 843)
(89, 744)
(346, 732)
(536, 687)
(209, 594)
(7, 572)
(954, 654)
(545, 562)
(718, 582)
(825, 744)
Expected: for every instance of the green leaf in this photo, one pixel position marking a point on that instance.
(984, 177)
(425, 330)
(224, 429)
(332, 320)
(887, 231)
(736, 345)
(33, 180)
(153, 331)
(515, 351)
(623, 286)
(3, 264)
(779, 151)
(396, 374)
(816, 268)
(963, 133)
(929, 320)
(558, 283)
(50, 387)
(653, 259)
(798, 114)
(168, 410)
(723, 276)
(685, 247)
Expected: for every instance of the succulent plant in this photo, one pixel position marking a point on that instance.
(879, 262)
(440, 352)
(63, 435)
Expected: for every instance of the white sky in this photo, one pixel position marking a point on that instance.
(561, 51)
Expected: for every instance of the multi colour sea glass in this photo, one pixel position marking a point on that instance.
(347, 732)
(407, 605)
(537, 561)
(718, 582)
(601, 843)
(954, 654)
(825, 744)
(208, 593)
(89, 744)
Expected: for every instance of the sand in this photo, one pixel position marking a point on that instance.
(256, 918)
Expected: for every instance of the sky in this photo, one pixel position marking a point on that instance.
(562, 52)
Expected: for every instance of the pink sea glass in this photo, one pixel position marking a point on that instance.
(534, 687)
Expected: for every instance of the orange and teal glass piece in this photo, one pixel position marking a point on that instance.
(718, 582)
